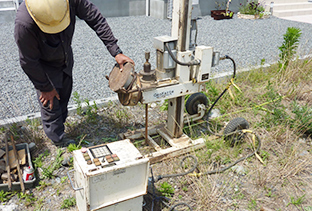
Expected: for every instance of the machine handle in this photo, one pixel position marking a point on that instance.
(71, 182)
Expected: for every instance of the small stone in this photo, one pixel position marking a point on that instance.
(239, 170)
(31, 146)
(9, 207)
(58, 180)
(302, 140)
(40, 127)
(218, 185)
(214, 113)
(153, 105)
(304, 153)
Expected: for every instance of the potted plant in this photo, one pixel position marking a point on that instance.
(220, 13)
(252, 10)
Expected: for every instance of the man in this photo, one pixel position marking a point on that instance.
(43, 33)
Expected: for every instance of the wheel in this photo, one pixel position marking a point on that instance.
(193, 101)
(238, 123)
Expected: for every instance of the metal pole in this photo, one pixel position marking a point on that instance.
(147, 8)
(181, 20)
(146, 123)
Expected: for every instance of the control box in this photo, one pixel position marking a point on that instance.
(109, 175)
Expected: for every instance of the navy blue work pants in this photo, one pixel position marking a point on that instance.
(53, 120)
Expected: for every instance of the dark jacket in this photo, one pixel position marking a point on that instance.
(44, 57)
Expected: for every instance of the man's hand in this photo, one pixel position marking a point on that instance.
(121, 59)
(47, 97)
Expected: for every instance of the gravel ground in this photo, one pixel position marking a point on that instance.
(246, 41)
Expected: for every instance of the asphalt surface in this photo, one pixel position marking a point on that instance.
(246, 41)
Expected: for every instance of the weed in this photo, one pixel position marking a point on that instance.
(166, 189)
(14, 129)
(239, 196)
(67, 203)
(289, 46)
(297, 201)
(262, 62)
(47, 172)
(185, 189)
(38, 161)
(2, 129)
(122, 115)
(109, 139)
(77, 100)
(265, 155)
(42, 185)
(303, 118)
(82, 140)
(275, 114)
(164, 106)
(91, 111)
(226, 160)
(64, 179)
(252, 205)
(39, 205)
(212, 147)
(5, 196)
(72, 147)
(269, 192)
(33, 123)
(29, 198)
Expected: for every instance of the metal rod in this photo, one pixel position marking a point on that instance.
(18, 165)
(146, 123)
(7, 160)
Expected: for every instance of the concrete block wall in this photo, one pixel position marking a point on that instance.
(157, 9)
(119, 8)
(7, 10)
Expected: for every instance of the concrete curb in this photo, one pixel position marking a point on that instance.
(71, 110)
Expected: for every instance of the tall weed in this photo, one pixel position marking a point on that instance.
(289, 47)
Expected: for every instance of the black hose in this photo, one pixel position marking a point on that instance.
(181, 174)
(224, 91)
(180, 204)
(190, 63)
(239, 160)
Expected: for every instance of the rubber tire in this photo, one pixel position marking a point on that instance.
(238, 123)
(193, 101)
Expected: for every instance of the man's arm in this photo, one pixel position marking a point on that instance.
(29, 59)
